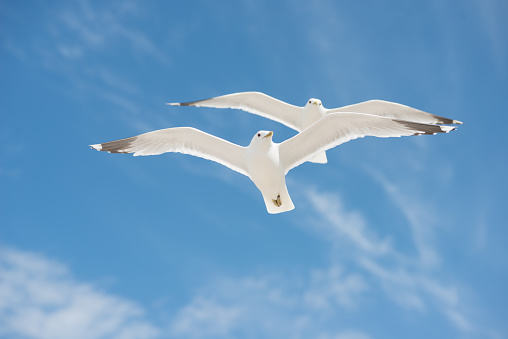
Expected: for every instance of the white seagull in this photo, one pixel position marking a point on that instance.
(266, 163)
(299, 118)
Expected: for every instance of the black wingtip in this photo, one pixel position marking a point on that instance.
(427, 129)
(446, 121)
(188, 103)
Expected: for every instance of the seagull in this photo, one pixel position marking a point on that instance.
(299, 118)
(266, 163)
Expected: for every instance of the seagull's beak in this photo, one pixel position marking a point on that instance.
(268, 135)
(315, 103)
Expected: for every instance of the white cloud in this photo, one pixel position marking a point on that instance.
(95, 26)
(420, 216)
(271, 306)
(351, 334)
(40, 299)
(342, 224)
(75, 38)
(459, 320)
(309, 303)
(329, 288)
(204, 318)
(411, 282)
(399, 285)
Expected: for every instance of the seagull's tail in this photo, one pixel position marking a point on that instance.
(278, 203)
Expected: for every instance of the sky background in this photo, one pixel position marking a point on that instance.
(393, 238)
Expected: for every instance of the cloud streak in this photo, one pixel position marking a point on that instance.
(410, 282)
(272, 303)
(81, 39)
(100, 27)
(40, 299)
(271, 306)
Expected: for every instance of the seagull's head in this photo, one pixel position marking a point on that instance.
(313, 102)
(262, 137)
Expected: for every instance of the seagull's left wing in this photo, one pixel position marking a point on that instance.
(337, 128)
(184, 140)
(395, 111)
(255, 103)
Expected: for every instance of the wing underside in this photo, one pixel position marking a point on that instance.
(337, 128)
(184, 140)
(256, 103)
(395, 111)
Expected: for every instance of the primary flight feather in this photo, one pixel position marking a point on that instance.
(299, 118)
(266, 163)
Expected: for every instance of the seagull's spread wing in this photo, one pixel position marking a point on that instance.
(256, 103)
(394, 111)
(184, 140)
(338, 128)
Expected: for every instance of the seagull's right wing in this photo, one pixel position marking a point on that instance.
(184, 140)
(337, 128)
(255, 103)
(395, 111)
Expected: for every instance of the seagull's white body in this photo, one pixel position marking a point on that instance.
(267, 172)
(266, 163)
(299, 118)
(312, 112)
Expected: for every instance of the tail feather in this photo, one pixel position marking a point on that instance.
(283, 201)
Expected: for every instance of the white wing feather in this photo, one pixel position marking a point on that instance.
(255, 103)
(184, 140)
(395, 111)
(337, 128)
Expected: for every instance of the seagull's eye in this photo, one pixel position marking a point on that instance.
(310, 102)
(259, 134)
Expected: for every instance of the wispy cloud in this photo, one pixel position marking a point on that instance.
(39, 298)
(411, 282)
(99, 27)
(272, 306)
(267, 303)
(420, 216)
(82, 40)
(332, 287)
(351, 334)
(342, 224)
(205, 318)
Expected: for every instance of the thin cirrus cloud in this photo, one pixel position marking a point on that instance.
(272, 305)
(39, 298)
(340, 224)
(273, 302)
(410, 282)
(96, 28)
(420, 216)
(74, 36)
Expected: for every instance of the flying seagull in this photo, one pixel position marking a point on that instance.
(299, 118)
(266, 163)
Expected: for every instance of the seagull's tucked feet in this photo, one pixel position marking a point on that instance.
(277, 202)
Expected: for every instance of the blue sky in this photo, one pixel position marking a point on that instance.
(393, 238)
